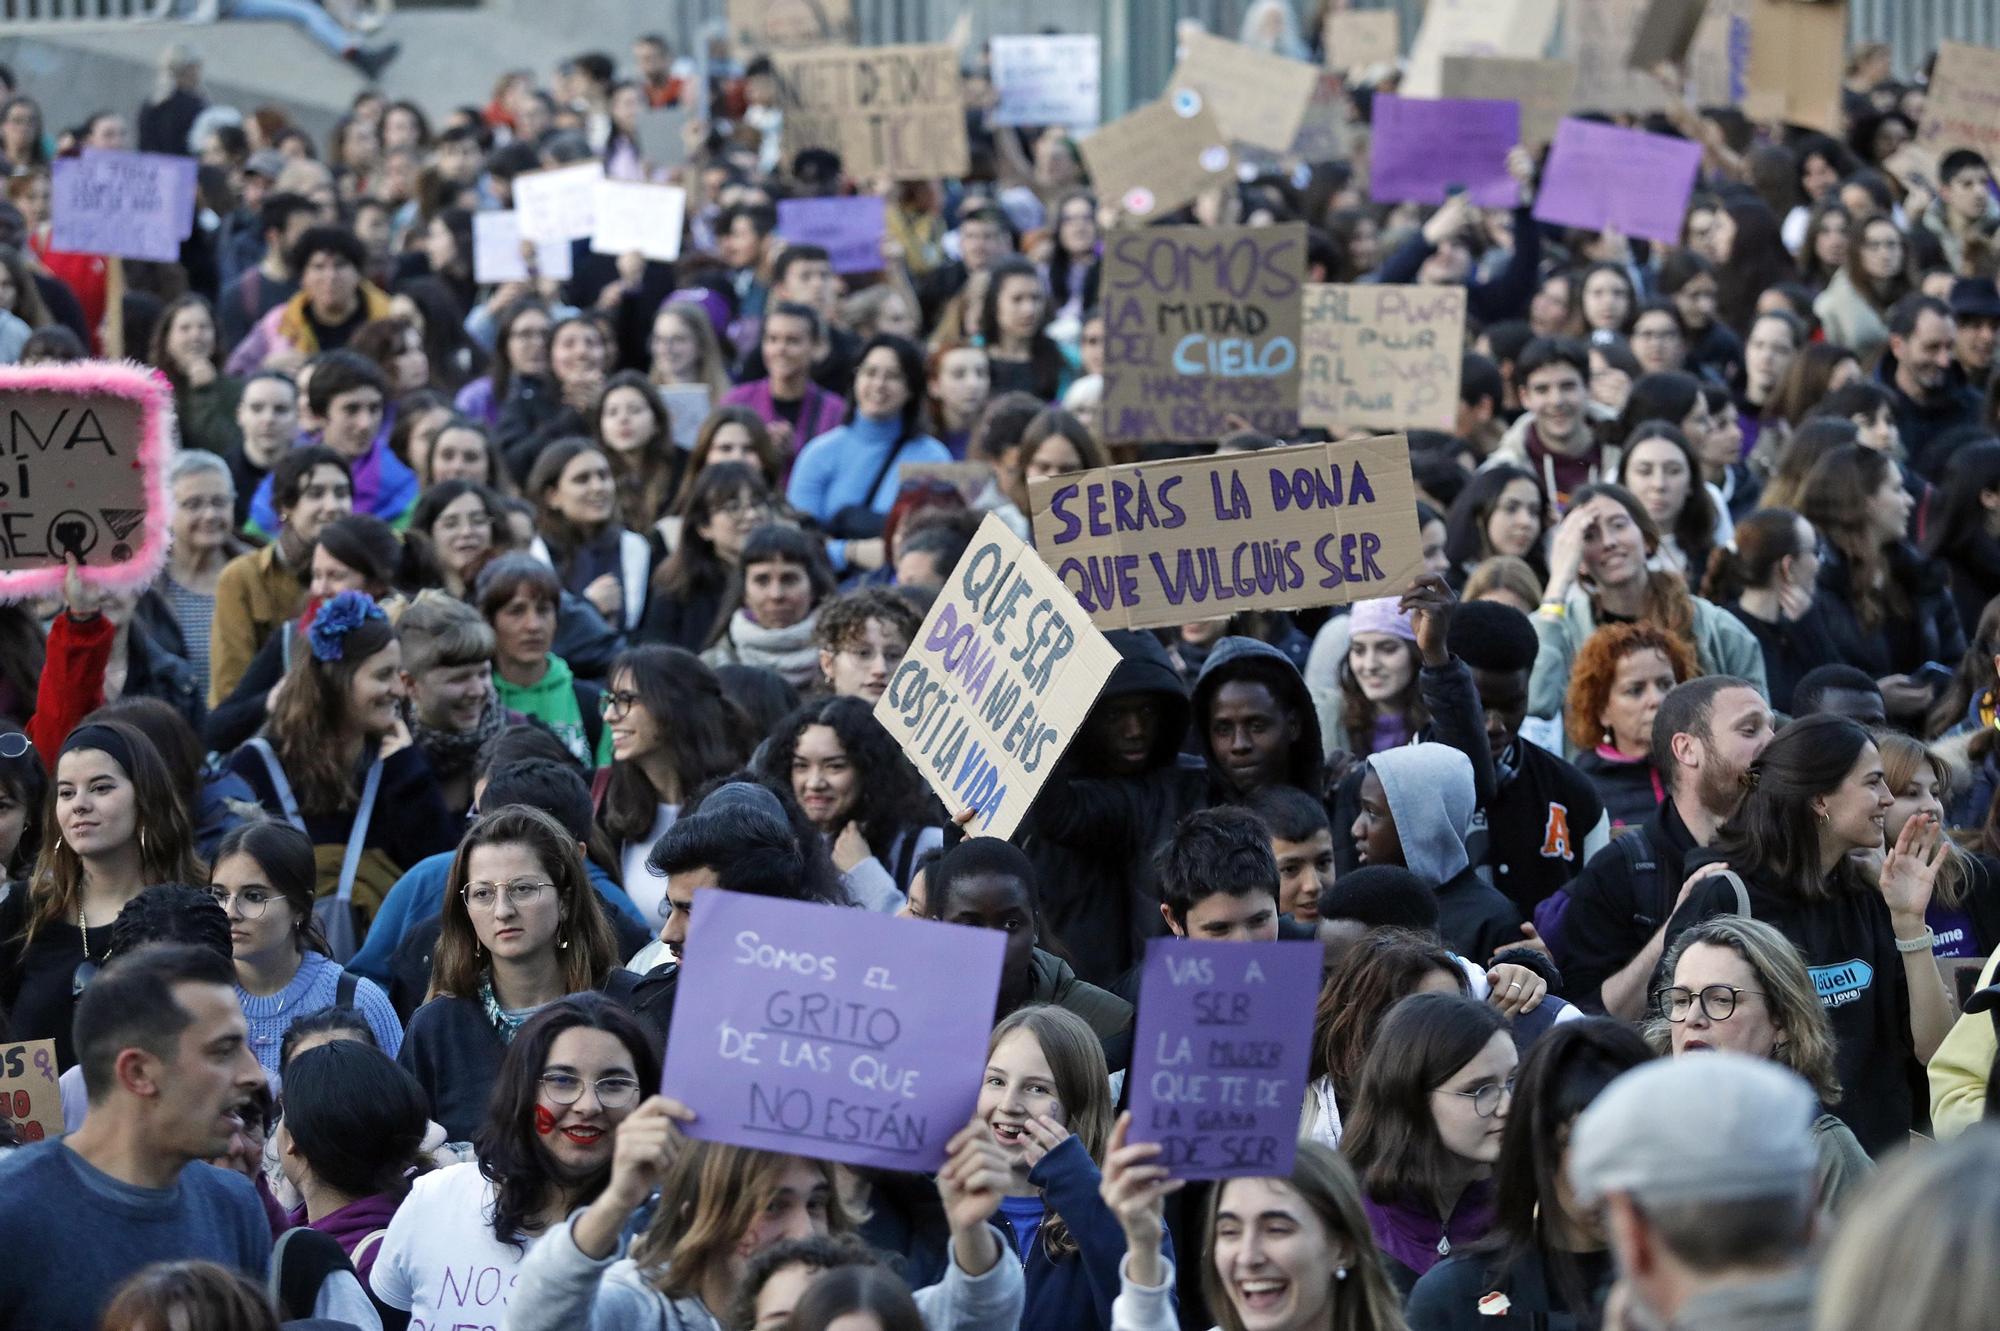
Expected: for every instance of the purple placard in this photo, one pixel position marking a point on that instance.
(134, 205)
(1601, 176)
(831, 1032)
(849, 227)
(1219, 1059)
(1422, 145)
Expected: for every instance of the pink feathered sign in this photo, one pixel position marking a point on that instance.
(83, 471)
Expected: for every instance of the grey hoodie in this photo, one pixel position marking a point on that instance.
(1430, 792)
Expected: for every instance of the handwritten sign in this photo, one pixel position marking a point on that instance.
(781, 25)
(1600, 175)
(1796, 54)
(1358, 38)
(895, 110)
(1258, 98)
(1157, 543)
(1962, 108)
(134, 205)
(1544, 89)
(848, 228)
(1200, 323)
(1666, 31)
(83, 458)
(1386, 357)
(560, 204)
(496, 251)
(997, 682)
(634, 218)
(829, 1032)
(30, 1095)
(1047, 80)
(1475, 27)
(1220, 1054)
(687, 407)
(1159, 157)
(1423, 148)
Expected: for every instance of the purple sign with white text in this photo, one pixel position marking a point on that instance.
(848, 228)
(1601, 176)
(831, 1032)
(134, 205)
(1424, 147)
(1219, 1058)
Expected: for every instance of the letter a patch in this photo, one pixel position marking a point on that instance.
(1555, 837)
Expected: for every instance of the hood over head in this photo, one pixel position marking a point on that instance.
(1235, 658)
(1145, 668)
(1430, 793)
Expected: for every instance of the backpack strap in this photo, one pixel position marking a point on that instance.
(279, 782)
(362, 1250)
(357, 835)
(344, 988)
(1735, 881)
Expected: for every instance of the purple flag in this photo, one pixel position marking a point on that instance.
(831, 1032)
(849, 228)
(1601, 176)
(134, 205)
(1219, 1059)
(1422, 146)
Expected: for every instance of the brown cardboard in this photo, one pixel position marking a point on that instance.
(29, 1093)
(1544, 88)
(968, 478)
(1597, 34)
(1962, 109)
(1666, 31)
(997, 681)
(1381, 357)
(1159, 543)
(1797, 52)
(1475, 27)
(1200, 324)
(1157, 158)
(894, 110)
(70, 480)
(787, 25)
(1358, 38)
(1325, 134)
(1259, 99)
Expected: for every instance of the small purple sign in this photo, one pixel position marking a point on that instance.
(831, 1032)
(1602, 176)
(849, 228)
(1219, 1059)
(1424, 145)
(133, 205)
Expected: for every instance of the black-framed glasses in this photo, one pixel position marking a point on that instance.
(1487, 1100)
(251, 901)
(617, 704)
(521, 894)
(566, 1088)
(1718, 1001)
(15, 744)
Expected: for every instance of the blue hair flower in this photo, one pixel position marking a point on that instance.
(336, 619)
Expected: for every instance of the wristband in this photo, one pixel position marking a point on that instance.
(1553, 609)
(1922, 943)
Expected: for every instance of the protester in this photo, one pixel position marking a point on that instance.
(1616, 686)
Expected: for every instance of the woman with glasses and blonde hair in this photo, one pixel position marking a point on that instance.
(1736, 983)
(521, 928)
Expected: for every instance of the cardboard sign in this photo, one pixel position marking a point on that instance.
(997, 682)
(496, 251)
(1050, 80)
(1796, 56)
(1665, 33)
(632, 217)
(849, 229)
(1423, 149)
(897, 110)
(1324, 134)
(1475, 27)
(1962, 108)
(968, 478)
(1597, 35)
(687, 408)
(1158, 543)
(1382, 357)
(30, 1093)
(663, 136)
(783, 25)
(1220, 1054)
(1601, 175)
(560, 204)
(1258, 98)
(1544, 89)
(830, 1032)
(133, 205)
(1159, 157)
(1201, 323)
(1357, 38)
(84, 449)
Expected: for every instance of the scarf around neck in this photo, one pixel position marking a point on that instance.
(789, 651)
(451, 752)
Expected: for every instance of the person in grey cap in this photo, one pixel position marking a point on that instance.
(1704, 1169)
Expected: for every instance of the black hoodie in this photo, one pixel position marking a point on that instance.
(1249, 658)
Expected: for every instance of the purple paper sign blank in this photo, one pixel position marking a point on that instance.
(831, 1032)
(1601, 176)
(1219, 1060)
(133, 205)
(849, 228)
(1423, 145)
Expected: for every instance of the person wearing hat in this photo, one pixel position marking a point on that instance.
(1975, 312)
(1704, 1170)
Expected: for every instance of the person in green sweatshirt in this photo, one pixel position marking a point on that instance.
(517, 595)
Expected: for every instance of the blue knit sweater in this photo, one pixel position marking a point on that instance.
(313, 990)
(835, 469)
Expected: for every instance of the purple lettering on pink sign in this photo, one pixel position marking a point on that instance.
(133, 205)
(1602, 176)
(830, 1032)
(848, 228)
(1219, 1058)
(1424, 146)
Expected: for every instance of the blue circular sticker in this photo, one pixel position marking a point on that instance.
(1187, 102)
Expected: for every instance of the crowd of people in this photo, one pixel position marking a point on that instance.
(1651, 836)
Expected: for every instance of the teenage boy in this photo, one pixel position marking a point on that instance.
(1556, 437)
(1965, 207)
(1301, 843)
(349, 396)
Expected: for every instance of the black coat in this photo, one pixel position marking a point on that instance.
(1899, 644)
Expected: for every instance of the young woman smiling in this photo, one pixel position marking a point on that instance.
(1499, 512)
(465, 522)
(184, 349)
(541, 411)
(580, 534)
(632, 424)
(714, 517)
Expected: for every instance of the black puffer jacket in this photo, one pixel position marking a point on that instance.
(1899, 644)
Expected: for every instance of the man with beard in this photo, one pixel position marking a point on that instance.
(1707, 733)
(1927, 391)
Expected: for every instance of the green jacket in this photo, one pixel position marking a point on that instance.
(566, 706)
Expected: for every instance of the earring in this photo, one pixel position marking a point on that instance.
(1340, 1273)
(1824, 816)
(563, 944)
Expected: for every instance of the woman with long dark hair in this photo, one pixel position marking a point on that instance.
(1770, 582)
(726, 503)
(555, 406)
(631, 423)
(580, 533)
(520, 351)
(1817, 794)
(1963, 528)
(1855, 305)
(1661, 466)
(1753, 260)
(1013, 324)
(187, 349)
(1499, 512)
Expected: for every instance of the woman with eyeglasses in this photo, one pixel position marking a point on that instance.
(24, 789)
(465, 524)
(521, 928)
(683, 350)
(543, 1148)
(728, 501)
(1425, 1129)
(520, 354)
(265, 881)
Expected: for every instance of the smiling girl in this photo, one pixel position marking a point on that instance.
(581, 535)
